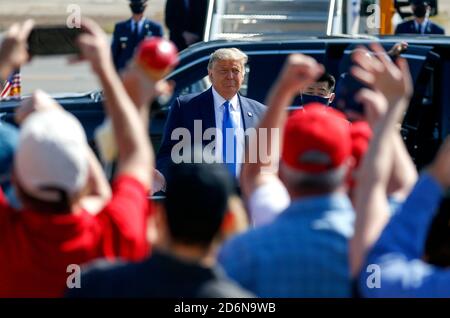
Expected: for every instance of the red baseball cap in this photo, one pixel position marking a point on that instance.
(316, 139)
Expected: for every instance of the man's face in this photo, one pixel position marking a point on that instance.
(318, 89)
(420, 10)
(226, 77)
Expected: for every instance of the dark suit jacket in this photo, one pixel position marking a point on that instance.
(160, 276)
(192, 107)
(179, 18)
(124, 43)
(409, 27)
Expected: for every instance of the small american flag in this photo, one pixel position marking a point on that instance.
(12, 86)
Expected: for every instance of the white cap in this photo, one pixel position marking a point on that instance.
(51, 155)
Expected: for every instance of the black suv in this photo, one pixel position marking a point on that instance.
(426, 123)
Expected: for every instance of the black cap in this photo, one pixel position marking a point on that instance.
(197, 200)
(138, 1)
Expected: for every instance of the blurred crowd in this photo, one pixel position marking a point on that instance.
(334, 208)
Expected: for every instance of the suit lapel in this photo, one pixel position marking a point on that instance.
(248, 117)
(427, 29)
(413, 28)
(128, 28)
(207, 110)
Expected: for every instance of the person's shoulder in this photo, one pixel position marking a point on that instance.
(258, 109)
(254, 103)
(121, 24)
(404, 25)
(437, 28)
(152, 24)
(194, 97)
(250, 239)
(407, 22)
(224, 288)
(103, 278)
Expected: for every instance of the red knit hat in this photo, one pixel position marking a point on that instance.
(316, 139)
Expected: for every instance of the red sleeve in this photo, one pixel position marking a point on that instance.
(5, 209)
(124, 220)
(2, 198)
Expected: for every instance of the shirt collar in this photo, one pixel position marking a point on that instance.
(139, 22)
(219, 100)
(423, 25)
(322, 203)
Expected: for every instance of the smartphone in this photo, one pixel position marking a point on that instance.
(348, 87)
(346, 90)
(53, 40)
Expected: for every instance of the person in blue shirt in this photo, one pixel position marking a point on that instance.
(128, 34)
(420, 24)
(407, 259)
(404, 267)
(303, 252)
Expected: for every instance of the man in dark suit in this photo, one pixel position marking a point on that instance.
(128, 34)
(220, 108)
(420, 24)
(186, 20)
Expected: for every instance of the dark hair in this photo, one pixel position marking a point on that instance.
(61, 206)
(327, 77)
(196, 201)
(437, 246)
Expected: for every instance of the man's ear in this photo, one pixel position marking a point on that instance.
(210, 75)
(332, 96)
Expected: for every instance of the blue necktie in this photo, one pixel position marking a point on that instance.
(229, 140)
(136, 32)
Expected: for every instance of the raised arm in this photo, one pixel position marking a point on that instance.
(400, 250)
(392, 88)
(13, 50)
(135, 153)
(298, 72)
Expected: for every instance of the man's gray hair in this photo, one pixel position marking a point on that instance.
(326, 181)
(228, 54)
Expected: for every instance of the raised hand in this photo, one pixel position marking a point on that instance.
(39, 101)
(13, 50)
(298, 72)
(375, 105)
(377, 71)
(94, 46)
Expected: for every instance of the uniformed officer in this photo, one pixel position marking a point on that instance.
(420, 24)
(128, 34)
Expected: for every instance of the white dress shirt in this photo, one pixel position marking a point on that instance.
(140, 25)
(238, 123)
(422, 26)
